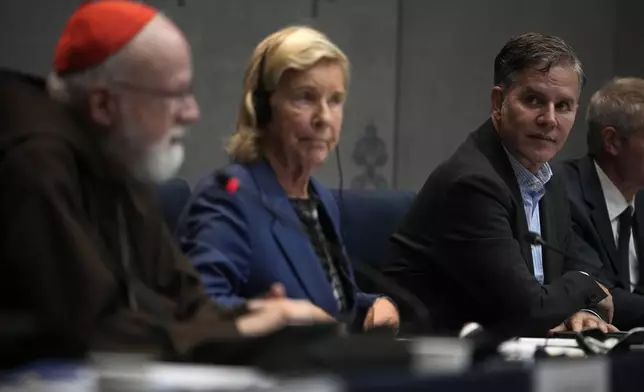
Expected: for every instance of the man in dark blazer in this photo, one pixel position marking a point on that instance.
(607, 210)
(462, 248)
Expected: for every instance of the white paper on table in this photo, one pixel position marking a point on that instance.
(198, 378)
(574, 375)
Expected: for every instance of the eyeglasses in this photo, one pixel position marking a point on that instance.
(180, 95)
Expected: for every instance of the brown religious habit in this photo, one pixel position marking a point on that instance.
(84, 250)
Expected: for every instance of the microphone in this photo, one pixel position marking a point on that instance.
(232, 185)
(535, 239)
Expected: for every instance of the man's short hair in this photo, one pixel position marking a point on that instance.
(619, 104)
(533, 50)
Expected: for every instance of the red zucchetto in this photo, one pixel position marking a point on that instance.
(97, 30)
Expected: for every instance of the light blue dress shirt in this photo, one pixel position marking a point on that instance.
(532, 187)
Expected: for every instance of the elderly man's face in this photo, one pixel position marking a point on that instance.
(157, 105)
(535, 115)
(628, 155)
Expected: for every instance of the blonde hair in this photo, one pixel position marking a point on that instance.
(296, 47)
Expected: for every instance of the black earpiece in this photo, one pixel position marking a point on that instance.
(261, 97)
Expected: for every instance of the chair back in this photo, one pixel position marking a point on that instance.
(173, 196)
(368, 219)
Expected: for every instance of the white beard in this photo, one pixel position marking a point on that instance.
(163, 160)
(157, 163)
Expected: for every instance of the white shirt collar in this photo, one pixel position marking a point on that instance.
(615, 201)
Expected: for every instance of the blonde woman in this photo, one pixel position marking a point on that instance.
(279, 235)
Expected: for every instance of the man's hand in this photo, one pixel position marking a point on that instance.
(382, 312)
(583, 320)
(270, 315)
(607, 303)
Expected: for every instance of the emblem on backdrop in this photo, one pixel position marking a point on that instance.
(370, 152)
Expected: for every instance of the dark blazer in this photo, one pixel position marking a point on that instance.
(590, 218)
(461, 248)
(241, 247)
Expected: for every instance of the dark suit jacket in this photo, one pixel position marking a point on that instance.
(461, 248)
(243, 243)
(590, 217)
